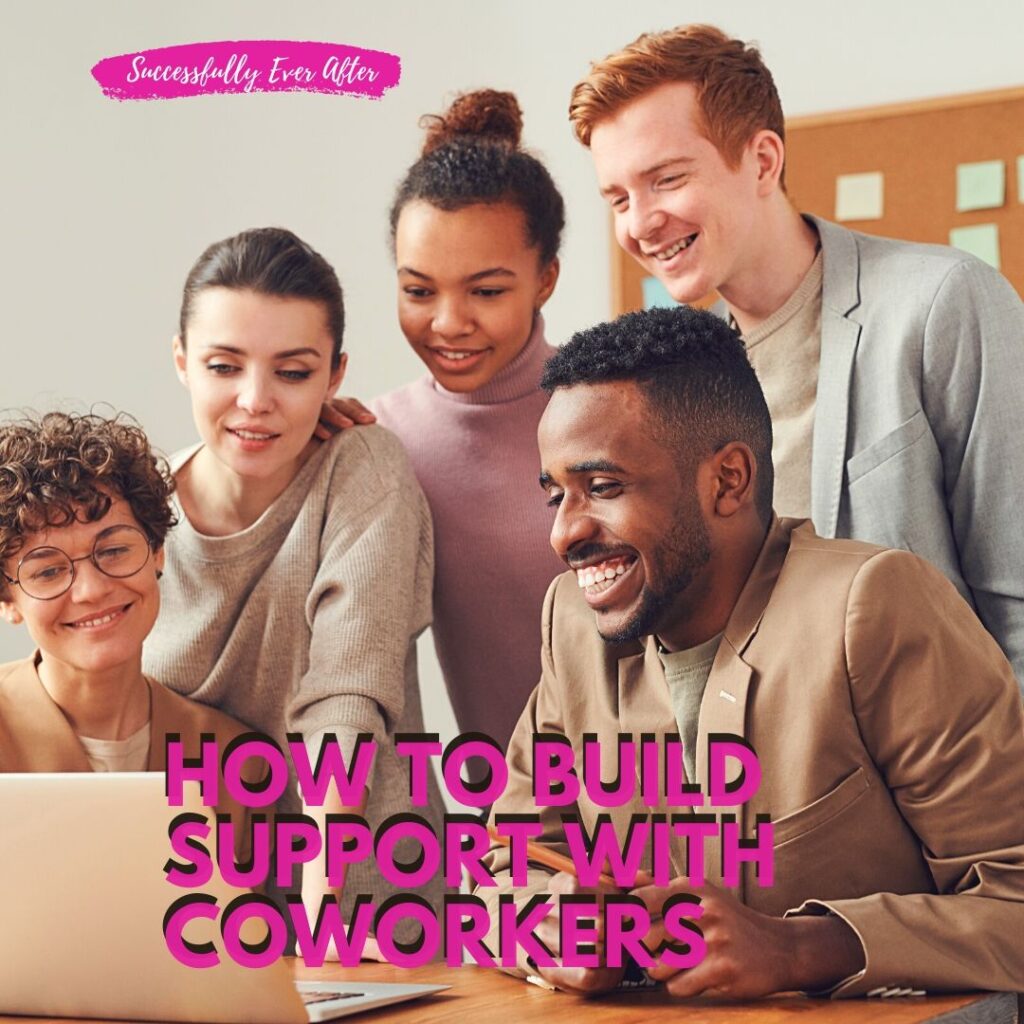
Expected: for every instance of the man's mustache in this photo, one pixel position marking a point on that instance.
(591, 552)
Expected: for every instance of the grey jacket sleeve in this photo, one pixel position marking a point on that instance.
(972, 375)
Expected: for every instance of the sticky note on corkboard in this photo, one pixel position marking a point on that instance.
(860, 196)
(980, 186)
(981, 240)
(656, 294)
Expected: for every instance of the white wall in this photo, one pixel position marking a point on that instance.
(106, 205)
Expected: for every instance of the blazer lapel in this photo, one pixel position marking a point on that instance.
(840, 335)
(723, 710)
(645, 709)
(644, 705)
(728, 691)
(162, 720)
(45, 740)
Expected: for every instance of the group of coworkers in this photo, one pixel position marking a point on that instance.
(794, 519)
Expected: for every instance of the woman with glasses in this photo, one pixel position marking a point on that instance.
(299, 576)
(84, 511)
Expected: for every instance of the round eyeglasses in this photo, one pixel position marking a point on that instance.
(46, 573)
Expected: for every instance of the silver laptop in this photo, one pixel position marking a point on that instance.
(82, 902)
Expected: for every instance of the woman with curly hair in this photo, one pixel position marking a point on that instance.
(84, 511)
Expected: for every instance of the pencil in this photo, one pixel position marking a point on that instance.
(549, 858)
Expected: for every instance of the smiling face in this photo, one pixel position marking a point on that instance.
(100, 622)
(679, 209)
(627, 522)
(468, 288)
(258, 368)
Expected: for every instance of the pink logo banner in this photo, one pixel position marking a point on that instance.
(199, 69)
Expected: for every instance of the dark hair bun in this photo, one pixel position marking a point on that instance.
(472, 156)
(484, 114)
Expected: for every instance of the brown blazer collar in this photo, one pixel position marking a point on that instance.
(43, 737)
(757, 591)
(40, 734)
(644, 705)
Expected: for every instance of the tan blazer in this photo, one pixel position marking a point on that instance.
(36, 737)
(890, 734)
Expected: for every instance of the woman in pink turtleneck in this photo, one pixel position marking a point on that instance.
(476, 225)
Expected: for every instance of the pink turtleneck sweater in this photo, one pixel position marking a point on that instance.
(476, 458)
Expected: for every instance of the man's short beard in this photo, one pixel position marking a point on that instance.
(686, 550)
(653, 604)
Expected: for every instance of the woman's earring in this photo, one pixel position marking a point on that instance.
(159, 574)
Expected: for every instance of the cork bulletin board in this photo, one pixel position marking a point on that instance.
(917, 148)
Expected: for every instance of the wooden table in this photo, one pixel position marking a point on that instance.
(480, 995)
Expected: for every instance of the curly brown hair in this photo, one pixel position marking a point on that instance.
(59, 468)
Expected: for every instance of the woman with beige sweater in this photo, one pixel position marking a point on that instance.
(300, 574)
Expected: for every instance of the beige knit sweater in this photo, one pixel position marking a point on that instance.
(307, 620)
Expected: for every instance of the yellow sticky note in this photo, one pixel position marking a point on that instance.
(980, 186)
(1020, 179)
(981, 240)
(860, 196)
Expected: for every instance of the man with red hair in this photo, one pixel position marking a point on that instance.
(891, 369)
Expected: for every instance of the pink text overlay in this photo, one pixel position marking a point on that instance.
(200, 69)
(673, 824)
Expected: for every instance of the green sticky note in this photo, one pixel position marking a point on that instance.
(656, 294)
(981, 240)
(980, 186)
(1020, 179)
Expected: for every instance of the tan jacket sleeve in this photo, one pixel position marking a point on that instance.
(941, 715)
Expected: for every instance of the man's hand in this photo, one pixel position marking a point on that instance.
(751, 954)
(340, 414)
(584, 980)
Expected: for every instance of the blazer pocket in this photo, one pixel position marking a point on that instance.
(799, 823)
(885, 448)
